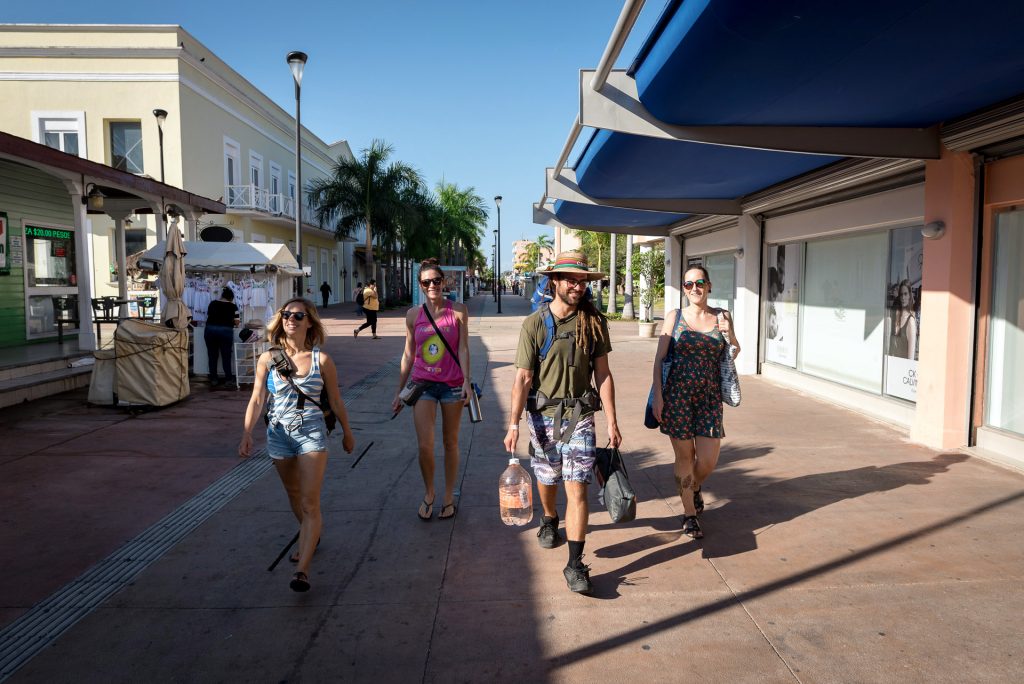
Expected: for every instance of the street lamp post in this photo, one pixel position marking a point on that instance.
(497, 203)
(297, 62)
(494, 266)
(161, 116)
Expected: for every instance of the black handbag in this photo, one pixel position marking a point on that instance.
(616, 493)
(666, 365)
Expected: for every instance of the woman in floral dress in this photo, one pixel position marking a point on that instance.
(689, 406)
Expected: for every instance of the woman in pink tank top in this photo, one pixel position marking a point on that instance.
(428, 360)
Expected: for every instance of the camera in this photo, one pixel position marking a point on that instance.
(280, 362)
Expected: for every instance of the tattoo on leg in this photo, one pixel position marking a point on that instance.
(684, 483)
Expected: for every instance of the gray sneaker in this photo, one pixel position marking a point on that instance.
(548, 536)
(578, 579)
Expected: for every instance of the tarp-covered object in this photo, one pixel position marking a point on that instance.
(101, 384)
(152, 363)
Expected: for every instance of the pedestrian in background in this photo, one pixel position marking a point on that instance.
(219, 335)
(446, 380)
(325, 292)
(296, 431)
(560, 401)
(359, 299)
(370, 306)
(689, 406)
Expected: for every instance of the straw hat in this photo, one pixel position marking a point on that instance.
(572, 263)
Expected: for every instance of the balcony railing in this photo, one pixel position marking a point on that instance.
(253, 198)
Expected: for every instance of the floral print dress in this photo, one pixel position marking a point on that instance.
(693, 391)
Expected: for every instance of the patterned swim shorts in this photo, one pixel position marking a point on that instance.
(554, 461)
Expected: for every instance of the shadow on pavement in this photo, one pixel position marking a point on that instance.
(601, 647)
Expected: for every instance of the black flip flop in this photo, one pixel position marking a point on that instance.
(300, 582)
(430, 511)
(442, 516)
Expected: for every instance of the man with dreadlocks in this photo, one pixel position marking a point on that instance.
(561, 346)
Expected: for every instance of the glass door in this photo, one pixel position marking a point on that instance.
(1004, 401)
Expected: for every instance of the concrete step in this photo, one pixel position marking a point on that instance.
(43, 380)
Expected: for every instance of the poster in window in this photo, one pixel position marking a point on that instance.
(903, 308)
(782, 303)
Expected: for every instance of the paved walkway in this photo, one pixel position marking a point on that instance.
(835, 549)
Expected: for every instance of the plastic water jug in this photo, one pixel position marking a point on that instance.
(515, 494)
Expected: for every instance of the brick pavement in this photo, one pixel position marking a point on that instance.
(835, 551)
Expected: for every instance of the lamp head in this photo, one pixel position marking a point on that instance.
(497, 201)
(94, 198)
(934, 230)
(161, 116)
(297, 62)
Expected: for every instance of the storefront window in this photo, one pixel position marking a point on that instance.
(50, 256)
(903, 302)
(722, 271)
(1004, 400)
(843, 328)
(782, 314)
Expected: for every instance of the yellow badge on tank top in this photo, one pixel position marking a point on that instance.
(432, 349)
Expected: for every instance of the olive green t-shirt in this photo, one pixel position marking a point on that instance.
(554, 377)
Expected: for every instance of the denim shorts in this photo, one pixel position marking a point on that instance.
(441, 392)
(308, 436)
(554, 461)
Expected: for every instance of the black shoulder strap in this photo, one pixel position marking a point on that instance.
(443, 340)
(303, 397)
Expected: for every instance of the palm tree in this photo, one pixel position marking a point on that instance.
(544, 245)
(463, 216)
(368, 191)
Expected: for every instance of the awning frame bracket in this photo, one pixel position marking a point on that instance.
(616, 107)
(564, 187)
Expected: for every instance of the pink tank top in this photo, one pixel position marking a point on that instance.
(433, 362)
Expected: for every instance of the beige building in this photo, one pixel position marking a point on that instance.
(94, 91)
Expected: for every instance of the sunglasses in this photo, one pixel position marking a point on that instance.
(299, 315)
(431, 281)
(700, 282)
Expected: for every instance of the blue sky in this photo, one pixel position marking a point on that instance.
(480, 92)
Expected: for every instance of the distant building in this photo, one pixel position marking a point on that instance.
(93, 90)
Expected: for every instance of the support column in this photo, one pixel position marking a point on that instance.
(646, 314)
(942, 418)
(627, 287)
(612, 304)
(83, 268)
(673, 272)
(748, 286)
(121, 257)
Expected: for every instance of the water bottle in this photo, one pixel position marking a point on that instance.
(515, 494)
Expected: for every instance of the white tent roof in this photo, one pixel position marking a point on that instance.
(229, 255)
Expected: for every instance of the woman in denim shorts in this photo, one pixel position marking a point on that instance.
(446, 382)
(296, 433)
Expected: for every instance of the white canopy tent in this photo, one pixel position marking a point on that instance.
(229, 256)
(226, 258)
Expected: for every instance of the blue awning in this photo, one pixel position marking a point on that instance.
(869, 64)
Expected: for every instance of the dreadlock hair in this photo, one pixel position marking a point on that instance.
(588, 321)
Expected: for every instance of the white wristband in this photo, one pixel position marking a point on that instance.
(513, 427)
